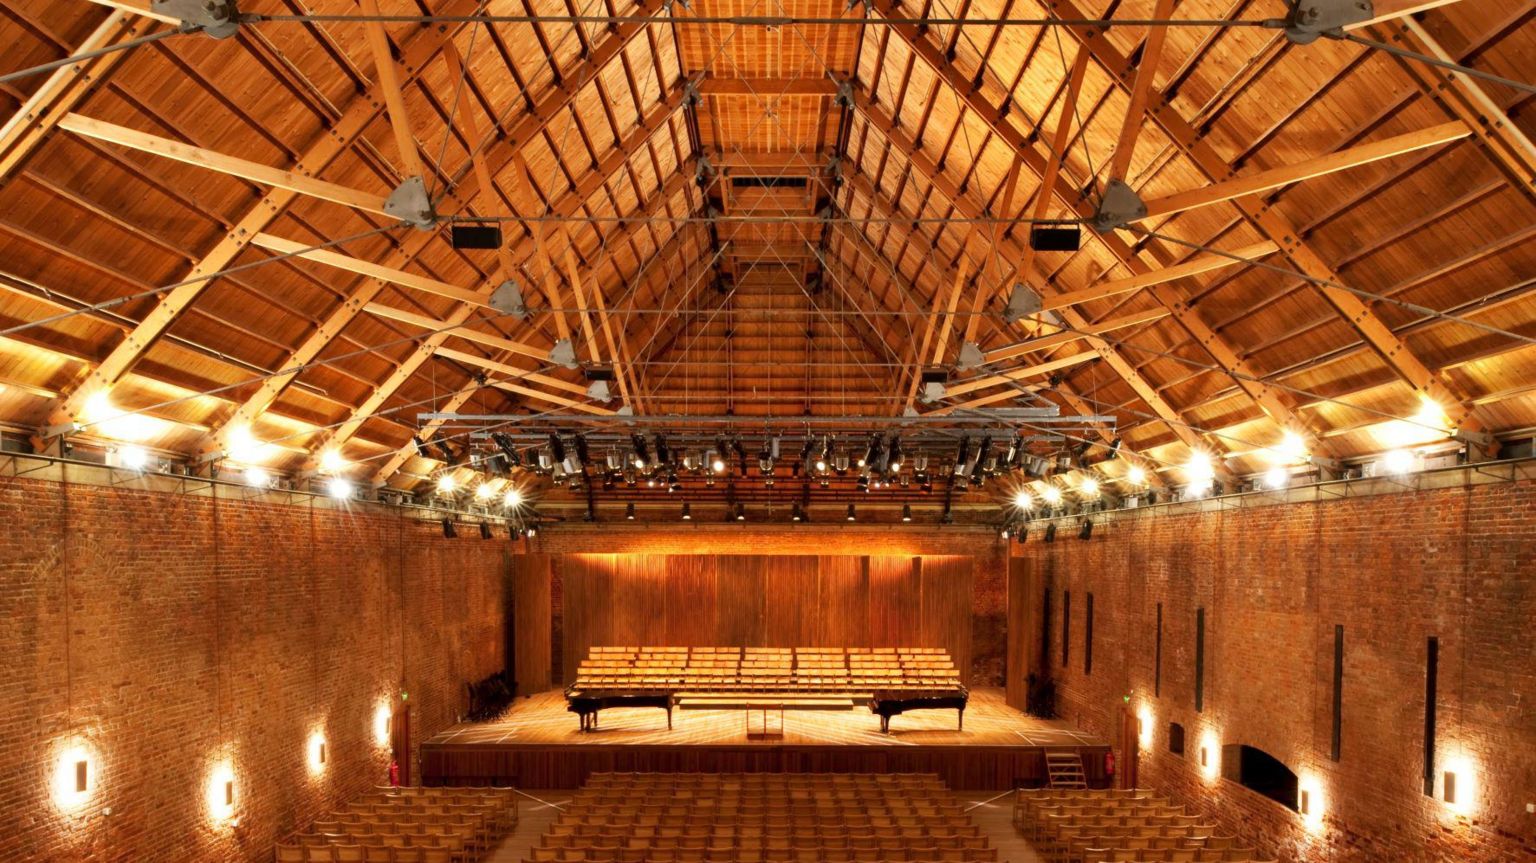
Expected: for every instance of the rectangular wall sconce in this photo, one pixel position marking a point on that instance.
(1205, 757)
(322, 752)
(229, 792)
(82, 778)
(1450, 786)
(1306, 802)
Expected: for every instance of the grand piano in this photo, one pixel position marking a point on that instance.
(893, 702)
(585, 703)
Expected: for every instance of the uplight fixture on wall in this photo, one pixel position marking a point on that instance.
(221, 792)
(317, 753)
(74, 777)
(381, 717)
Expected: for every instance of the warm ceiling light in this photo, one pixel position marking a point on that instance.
(1292, 448)
(257, 478)
(1430, 414)
(1089, 487)
(1023, 499)
(1398, 461)
(132, 457)
(332, 462)
(243, 445)
(718, 465)
(1136, 475)
(512, 499)
(484, 491)
(1052, 495)
(340, 489)
(1199, 472)
(446, 484)
(1277, 477)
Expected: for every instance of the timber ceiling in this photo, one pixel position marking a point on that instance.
(763, 220)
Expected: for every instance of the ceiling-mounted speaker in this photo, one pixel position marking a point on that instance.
(475, 236)
(1056, 239)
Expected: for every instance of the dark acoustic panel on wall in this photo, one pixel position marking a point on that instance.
(1199, 660)
(1088, 637)
(1066, 626)
(1157, 657)
(1338, 692)
(1431, 681)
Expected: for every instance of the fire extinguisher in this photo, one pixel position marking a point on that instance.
(1109, 763)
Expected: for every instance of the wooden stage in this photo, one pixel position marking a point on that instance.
(538, 744)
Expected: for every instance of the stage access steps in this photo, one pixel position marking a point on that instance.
(1064, 770)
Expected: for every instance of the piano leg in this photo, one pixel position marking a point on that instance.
(962, 718)
(669, 717)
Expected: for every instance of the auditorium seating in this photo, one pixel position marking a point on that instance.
(408, 825)
(762, 818)
(1119, 826)
(821, 670)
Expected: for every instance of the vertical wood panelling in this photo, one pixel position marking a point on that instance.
(531, 621)
(844, 602)
(1022, 599)
(791, 614)
(741, 590)
(691, 584)
(945, 620)
(638, 606)
(895, 595)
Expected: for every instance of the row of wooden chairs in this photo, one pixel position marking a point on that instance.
(766, 669)
(1119, 826)
(396, 825)
(824, 818)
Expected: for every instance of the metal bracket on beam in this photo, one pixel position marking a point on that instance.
(218, 18)
(970, 357)
(1120, 207)
(1312, 19)
(598, 392)
(410, 203)
(1022, 303)
(562, 354)
(508, 299)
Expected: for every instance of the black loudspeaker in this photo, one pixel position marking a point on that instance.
(475, 237)
(1055, 239)
(448, 531)
(1086, 530)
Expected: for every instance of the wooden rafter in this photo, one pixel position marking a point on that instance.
(1055, 340)
(1135, 112)
(388, 77)
(417, 241)
(355, 119)
(1271, 224)
(1266, 397)
(1192, 267)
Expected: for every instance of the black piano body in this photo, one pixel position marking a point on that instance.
(585, 703)
(893, 702)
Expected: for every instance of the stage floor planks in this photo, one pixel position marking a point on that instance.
(543, 720)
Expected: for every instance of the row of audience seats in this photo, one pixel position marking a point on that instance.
(757, 818)
(1119, 826)
(408, 825)
(852, 670)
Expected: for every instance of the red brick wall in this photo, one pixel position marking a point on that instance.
(170, 630)
(1394, 570)
(989, 594)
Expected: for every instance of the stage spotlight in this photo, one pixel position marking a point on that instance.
(449, 531)
(906, 512)
(1050, 532)
(1023, 500)
(1089, 487)
(513, 533)
(1086, 530)
(1022, 534)
(1004, 532)
(532, 529)
(852, 516)
(741, 512)
(485, 530)
(629, 511)
(484, 492)
(446, 484)
(893, 455)
(339, 488)
(687, 512)
(512, 499)
(641, 455)
(1051, 494)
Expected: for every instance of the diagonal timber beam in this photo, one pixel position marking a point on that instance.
(970, 386)
(1135, 112)
(1285, 175)
(64, 89)
(416, 242)
(264, 175)
(1386, 10)
(1055, 340)
(394, 98)
(355, 119)
(1191, 267)
(515, 374)
(1268, 399)
(924, 167)
(1271, 224)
